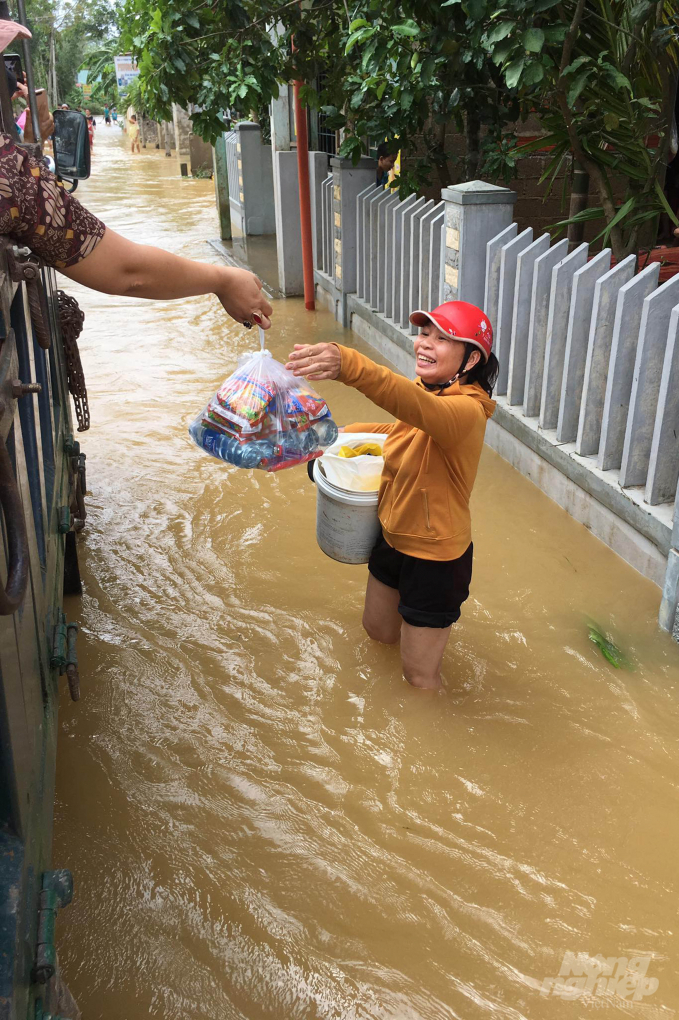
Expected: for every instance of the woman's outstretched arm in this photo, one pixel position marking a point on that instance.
(119, 266)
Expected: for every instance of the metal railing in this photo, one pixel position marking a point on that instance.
(233, 170)
(399, 251)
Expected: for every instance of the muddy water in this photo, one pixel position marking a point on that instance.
(263, 819)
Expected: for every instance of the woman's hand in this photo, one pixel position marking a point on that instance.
(315, 361)
(240, 292)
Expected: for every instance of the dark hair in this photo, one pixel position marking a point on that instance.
(485, 373)
(387, 149)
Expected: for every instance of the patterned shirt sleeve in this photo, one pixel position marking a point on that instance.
(37, 211)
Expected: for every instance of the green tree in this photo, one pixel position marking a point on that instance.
(600, 74)
(603, 76)
(78, 28)
(406, 70)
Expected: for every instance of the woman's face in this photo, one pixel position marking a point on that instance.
(438, 357)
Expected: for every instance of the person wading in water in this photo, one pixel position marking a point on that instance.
(421, 566)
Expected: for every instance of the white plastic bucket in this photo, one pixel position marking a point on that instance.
(347, 525)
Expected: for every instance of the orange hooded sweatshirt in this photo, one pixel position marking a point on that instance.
(431, 456)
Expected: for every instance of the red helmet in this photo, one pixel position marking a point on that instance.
(461, 320)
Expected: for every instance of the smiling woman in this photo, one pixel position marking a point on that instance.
(421, 566)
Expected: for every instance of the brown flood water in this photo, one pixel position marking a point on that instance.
(264, 821)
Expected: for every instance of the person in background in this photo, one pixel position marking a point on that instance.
(421, 565)
(65, 106)
(91, 124)
(114, 115)
(107, 116)
(133, 132)
(387, 154)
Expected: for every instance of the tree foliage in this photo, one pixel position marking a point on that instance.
(78, 27)
(600, 75)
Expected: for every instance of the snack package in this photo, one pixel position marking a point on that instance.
(264, 417)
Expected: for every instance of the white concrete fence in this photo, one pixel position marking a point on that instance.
(588, 392)
(589, 360)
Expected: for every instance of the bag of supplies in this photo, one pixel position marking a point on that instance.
(264, 417)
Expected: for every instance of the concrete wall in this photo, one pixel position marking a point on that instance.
(200, 154)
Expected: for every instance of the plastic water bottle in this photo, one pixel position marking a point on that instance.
(309, 440)
(256, 452)
(291, 443)
(248, 455)
(327, 431)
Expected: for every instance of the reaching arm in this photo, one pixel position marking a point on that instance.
(119, 266)
(383, 427)
(37, 211)
(446, 421)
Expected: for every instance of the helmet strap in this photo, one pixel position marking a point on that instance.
(444, 386)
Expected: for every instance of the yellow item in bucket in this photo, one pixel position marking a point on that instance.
(365, 450)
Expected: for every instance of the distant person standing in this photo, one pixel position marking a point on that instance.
(91, 125)
(133, 132)
(114, 115)
(107, 116)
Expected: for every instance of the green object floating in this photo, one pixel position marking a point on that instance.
(608, 649)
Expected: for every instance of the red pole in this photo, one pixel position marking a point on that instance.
(304, 199)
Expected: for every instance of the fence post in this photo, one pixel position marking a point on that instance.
(349, 181)
(288, 235)
(182, 134)
(168, 132)
(222, 188)
(402, 306)
(597, 364)
(648, 367)
(667, 617)
(506, 301)
(577, 339)
(494, 248)
(392, 266)
(628, 312)
(476, 212)
(539, 317)
(557, 330)
(255, 180)
(663, 469)
(318, 171)
(522, 317)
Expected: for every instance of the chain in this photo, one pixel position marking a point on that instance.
(71, 318)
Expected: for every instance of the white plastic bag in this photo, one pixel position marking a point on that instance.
(356, 474)
(262, 416)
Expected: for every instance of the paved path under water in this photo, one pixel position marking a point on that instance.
(264, 821)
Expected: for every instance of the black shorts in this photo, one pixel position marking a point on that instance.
(432, 591)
